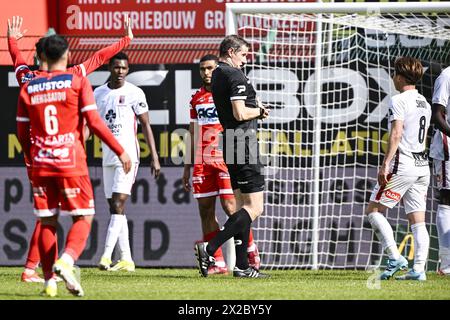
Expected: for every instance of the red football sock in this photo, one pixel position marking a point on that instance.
(250, 239)
(47, 249)
(33, 251)
(76, 238)
(218, 255)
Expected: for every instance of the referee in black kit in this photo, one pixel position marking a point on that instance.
(238, 110)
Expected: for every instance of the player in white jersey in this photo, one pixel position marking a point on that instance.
(404, 173)
(439, 152)
(121, 104)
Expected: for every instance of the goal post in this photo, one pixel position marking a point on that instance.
(324, 71)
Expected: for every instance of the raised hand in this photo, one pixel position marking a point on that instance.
(127, 24)
(14, 26)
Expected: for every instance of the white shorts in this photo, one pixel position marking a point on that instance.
(116, 181)
(412, 190)
(441, 173)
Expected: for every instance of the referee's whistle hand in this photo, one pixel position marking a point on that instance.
(126, 162)
(265, 113)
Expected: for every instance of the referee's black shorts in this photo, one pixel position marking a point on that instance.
(249, 178)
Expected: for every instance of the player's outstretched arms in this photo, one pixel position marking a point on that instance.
(103, 55)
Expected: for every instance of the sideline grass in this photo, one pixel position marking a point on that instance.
(186, 284)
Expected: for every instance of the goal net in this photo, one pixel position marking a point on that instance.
(325, 72)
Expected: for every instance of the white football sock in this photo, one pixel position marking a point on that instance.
(443, 228)
(384, 232)
(421, 245)
(67, 258)
(114, 228)
(124, 241)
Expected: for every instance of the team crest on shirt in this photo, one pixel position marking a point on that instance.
(27, 77)
(121, 99)
(110, 116)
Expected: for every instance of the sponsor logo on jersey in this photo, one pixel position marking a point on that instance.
(392, 195)
(63, 81)
(70, 193)
(205, 111)
(241, 88)
(110, 116)
(207, 114)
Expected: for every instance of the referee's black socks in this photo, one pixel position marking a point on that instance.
(239, 222)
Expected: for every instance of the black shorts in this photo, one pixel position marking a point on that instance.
(241, 154)
(249, 178)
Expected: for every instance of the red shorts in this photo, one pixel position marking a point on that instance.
(212, 181)
(69, 196)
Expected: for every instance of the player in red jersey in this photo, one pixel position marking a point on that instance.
(25, 74)
(210, 176)
(50, 120)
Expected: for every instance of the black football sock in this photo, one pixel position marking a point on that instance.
(238, 222)
(241, 244)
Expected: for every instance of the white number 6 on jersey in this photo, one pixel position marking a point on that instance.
(51, 121)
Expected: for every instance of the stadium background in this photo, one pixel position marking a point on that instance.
(163, 218)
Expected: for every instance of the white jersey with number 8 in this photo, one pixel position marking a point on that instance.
(415, 112)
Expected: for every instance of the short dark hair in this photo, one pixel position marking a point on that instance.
(410, 68)
(119, 56)
(210, 57)
(54, 47)
(232, 41)
(40, 46)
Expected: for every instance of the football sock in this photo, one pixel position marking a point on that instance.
(218, 255)
(114, 229)
(384, 232)
(47, 249)
(124, 240)
(241, 244)
(443, 228)
(250, 240)
(77, 237)
(235, 224)
(33, 252)
(421, 245)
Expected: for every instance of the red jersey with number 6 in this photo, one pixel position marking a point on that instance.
(53, 107)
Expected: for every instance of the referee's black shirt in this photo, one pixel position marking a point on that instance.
(229, 83)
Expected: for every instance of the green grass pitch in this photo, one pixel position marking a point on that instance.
(186, 284)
